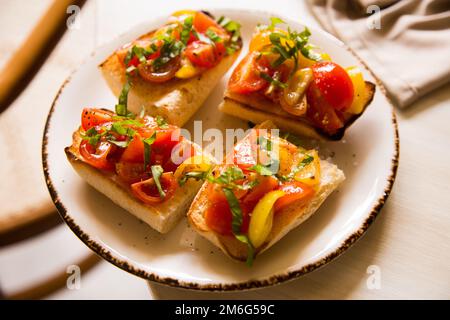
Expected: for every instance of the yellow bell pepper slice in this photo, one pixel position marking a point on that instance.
(310, 173)
(262, 218)
(359, 90)
(198, 163)
(187, 70)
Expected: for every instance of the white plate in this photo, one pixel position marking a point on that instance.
(368, 156)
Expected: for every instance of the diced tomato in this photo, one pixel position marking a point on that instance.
(246, 77)
(134, 152)
(265, 185)
(131, 172)
(202, 54)
(334, 84)
(321, 113)
(147, 192)
(218, 217)
(202, 22)
(294, 192)
(164, 143)
(91, 117)
(180, 152)
(100, 156)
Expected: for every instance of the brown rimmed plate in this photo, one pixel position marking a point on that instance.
(368, 155)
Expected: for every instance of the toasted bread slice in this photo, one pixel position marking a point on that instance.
(176, 100)
(288, 219)
(161, 217)
(258, 109)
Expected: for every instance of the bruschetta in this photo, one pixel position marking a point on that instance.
(265, 188)
(285, 78)
(172, 70)
(136, 162)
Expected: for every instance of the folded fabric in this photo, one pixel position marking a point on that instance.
(405, 43)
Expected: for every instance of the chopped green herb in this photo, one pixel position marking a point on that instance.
(147, 149)
(197, 175)
(236, 223)
(262, 170)
(186, 31)
(157, 171)
(273, 81)
(305, 161)
(122, 106)
(92, 136)
(274, 21)
(162, 123)
(234, 28)
(213, 35)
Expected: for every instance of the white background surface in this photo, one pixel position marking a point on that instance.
(409, 242)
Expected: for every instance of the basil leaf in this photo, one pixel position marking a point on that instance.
(262, 170)
(197, 175)
(264, 143)
(147, 149)
(236, 223)
(305, 161)
(232, 27)
(273, 81)
(187, 27)
(213, 36)
(250, 249)
(157, 171)
(121, 107)
(92, 136)
(162, 123)
(309, 53)
(274, 21)
(121, 144)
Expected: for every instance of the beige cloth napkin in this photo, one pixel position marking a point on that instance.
(409, 52)
(24, 196)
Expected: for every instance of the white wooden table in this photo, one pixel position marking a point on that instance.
(410, 241)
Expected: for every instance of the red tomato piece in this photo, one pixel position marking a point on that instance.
(131, 172)
(294, 192)
(202, 22)
(265, 185)
(147, 192)
(334, 84)
(246, 77)
(321, 113)
(100, 157)
(202, 54)
(134, 152)
(91, 117)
